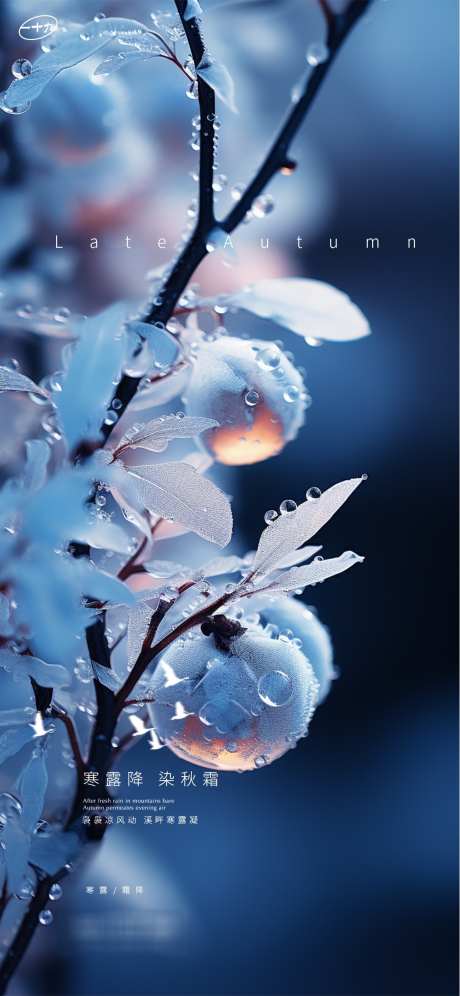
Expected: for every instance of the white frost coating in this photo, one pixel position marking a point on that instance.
(227, 723)
(94, 366)
(319, 570)
(310, 308)
(177, 491)
(11, 380)
(289, 532)
(156, 434)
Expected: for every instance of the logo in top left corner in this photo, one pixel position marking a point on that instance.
(38, 27)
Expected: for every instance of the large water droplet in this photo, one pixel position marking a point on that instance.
(46, 917)
(313, 494)
(275, 688)
(269, 358)
(55, 892)
(21, 68)
(251, 398)
(291, 393)
(288, 506)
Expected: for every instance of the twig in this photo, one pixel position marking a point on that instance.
(139, 667)
(59, 713)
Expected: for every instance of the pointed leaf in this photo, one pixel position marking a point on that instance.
(298, 556)
(288, 532)
(319, 570)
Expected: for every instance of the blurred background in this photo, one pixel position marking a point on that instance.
(333, 871)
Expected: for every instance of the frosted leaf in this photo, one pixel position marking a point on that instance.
(288, 532)
(56, 512)
(217, 76)
(156, 434)
(16, 717)
(17, 846)
(298, 556)
(165, 568)
(106, 676)
(164, 346)
(103, 535)
(310, 308)
(126, 496)
(11, 380)
(94, 367)
(192, 9)
(224, 565)
(73, 47)
(32, 784)
(12, 741)
(38, 454)
(161, 390)
(114, 63)
(52, 851)
(48, 675)
(138, 624)
(200, 461)
(166, 530)
(319, 570)
(102, 586)
(48, 592)
(177, 491)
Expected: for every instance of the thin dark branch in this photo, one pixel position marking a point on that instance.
(142, 661)
(25, 932)
(206, 99)
(59, 713)
(339, 27)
